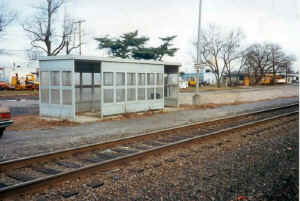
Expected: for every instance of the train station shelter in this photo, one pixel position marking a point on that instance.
(71, 86)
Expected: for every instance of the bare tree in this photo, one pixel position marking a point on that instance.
(257, 62)
(268, 58)
(42, 29)
(211, 51)
(6, 17)
(69, 28)
(280, 61)
(231, 51)
(219, 50)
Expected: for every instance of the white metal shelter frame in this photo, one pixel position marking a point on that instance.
(73, 85)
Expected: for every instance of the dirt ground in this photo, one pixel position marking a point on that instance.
(30, 122)
(8, 93)
(213, 105)
(214, 88)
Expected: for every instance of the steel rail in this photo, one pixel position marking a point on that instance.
(36, 184)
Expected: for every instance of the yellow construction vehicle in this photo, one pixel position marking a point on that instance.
(30, 82)
(27, 83)
(15, 83)
(192, 82)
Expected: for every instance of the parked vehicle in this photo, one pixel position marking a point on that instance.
(3, 85)
(5, 119)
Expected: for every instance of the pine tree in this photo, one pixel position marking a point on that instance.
(130, 45)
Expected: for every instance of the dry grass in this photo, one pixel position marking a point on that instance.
(7, 93)
(213, 105)
(208, 88)
(208, 106)
(132, 116)
(30, 122)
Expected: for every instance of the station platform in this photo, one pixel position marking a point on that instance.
(20, 144)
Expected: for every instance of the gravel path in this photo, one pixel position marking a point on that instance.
(257, 164)
(20, 144)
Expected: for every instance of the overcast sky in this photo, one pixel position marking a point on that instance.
(261, 20)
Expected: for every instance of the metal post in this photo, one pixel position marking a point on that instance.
(81, 88)
(93, 91)
(286, 74)
(79, 37)
(79, 33)
(198, 48)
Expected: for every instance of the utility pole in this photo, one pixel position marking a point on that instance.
(198, 64)
(79, 22)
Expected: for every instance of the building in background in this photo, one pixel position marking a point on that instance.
(206, 77)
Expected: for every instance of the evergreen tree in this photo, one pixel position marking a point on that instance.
(130, 45)
(122, 47)
(165, 49)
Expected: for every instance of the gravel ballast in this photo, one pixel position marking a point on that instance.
(249, 165)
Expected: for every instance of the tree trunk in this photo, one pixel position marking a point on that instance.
(218, 82)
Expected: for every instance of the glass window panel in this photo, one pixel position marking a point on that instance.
(120, 95)
(55, 96)
(97, 78)
(45, 96)
(159, 93)
(131, 79)
(86, 94)
(150, 93)
(108, 79)
(55, 81)
(67, 78)
(131, 94)
(142, 78)
(87, 78)
(120, 79)
(159, 79)
(150, 78)
(108, 95)
(44, 79)
(141, 94)
(67, 97)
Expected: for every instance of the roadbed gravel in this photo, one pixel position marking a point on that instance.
(254, 164)
(15, 144)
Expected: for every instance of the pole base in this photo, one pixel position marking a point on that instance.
(196, 99)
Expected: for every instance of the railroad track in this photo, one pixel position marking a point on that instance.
(33, 173)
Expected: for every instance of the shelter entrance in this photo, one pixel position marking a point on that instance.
(171, 86)
(88, 88)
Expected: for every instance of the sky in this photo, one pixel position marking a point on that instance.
(261, 20)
